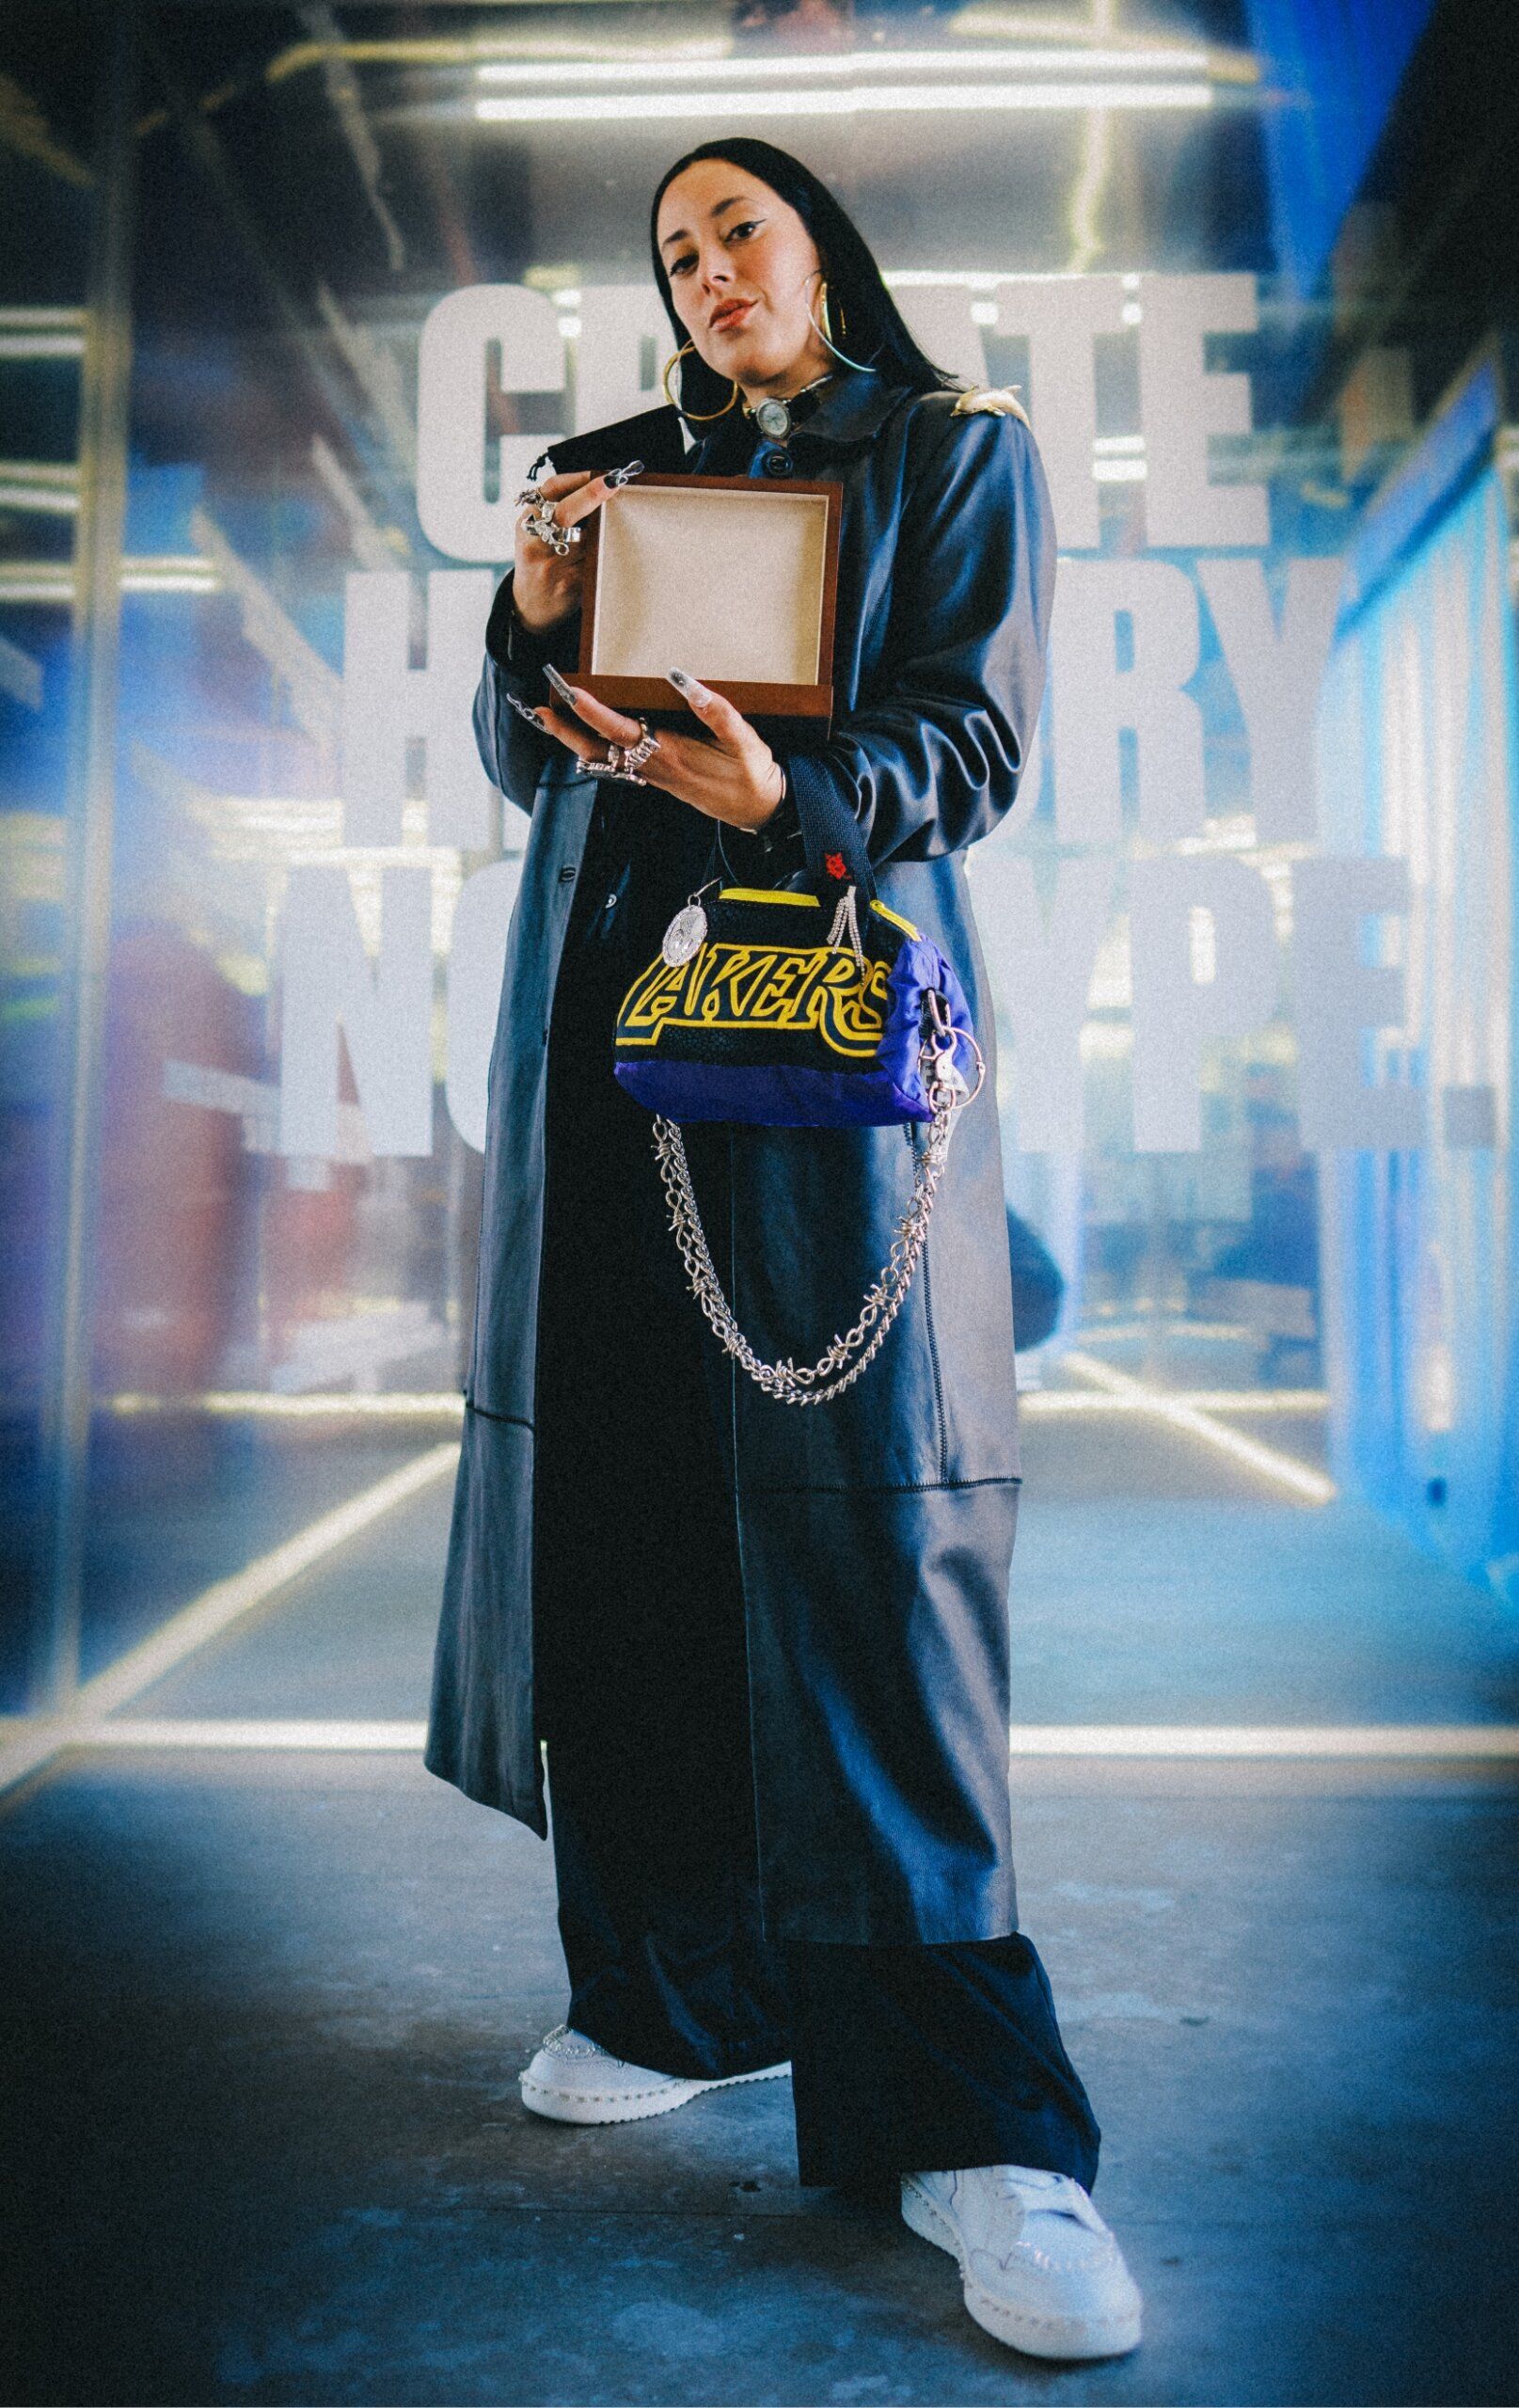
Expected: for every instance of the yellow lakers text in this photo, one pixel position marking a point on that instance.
(767, 987)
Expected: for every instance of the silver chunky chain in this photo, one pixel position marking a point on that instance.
(834, 1370)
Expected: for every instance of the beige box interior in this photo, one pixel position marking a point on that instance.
(724, 585)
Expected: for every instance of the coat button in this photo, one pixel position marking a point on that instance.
(779, 463)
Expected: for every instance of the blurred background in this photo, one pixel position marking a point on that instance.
(289, 298)
(1250, 264)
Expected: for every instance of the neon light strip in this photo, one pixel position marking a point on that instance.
(811, 68)
(56, 499)
(1437, 1741)
(58, 474)
(976, 279)
(61, 589)
(1294, 1403)
(1288, 1471)
(398, 1405)
(1427, 1740)
(414, 1405)
(346, 1738)
(213, 1613)
(41, 346)
(890, 100)
(1108, 1333)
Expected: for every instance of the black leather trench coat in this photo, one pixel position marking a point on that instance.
(874, 1532)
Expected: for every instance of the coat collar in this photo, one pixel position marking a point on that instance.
(845, 411)
(851, 407)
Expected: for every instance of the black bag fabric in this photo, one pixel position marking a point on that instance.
(1038, 1284)
(652, 436)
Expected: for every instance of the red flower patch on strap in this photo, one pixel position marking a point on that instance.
(833, 864)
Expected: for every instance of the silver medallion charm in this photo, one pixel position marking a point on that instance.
(773, 419)
(685, 937)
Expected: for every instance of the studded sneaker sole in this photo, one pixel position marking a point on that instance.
(1025, 2329)
(568, 2101)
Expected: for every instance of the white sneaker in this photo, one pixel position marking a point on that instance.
(1040, 2269)
(576, 2081)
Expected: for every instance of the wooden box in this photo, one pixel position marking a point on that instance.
(730, 579)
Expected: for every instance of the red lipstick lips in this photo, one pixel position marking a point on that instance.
(731, 313)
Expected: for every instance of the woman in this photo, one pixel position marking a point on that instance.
(766, 1651)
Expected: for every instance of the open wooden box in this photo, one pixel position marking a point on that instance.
(727, 578)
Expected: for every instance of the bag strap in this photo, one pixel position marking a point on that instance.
(831, 834)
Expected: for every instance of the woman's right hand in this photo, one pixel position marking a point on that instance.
(546, 587)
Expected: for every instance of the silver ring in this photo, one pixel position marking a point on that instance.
(614, 765)
(541, 523)
(626, 760)
(634, 755)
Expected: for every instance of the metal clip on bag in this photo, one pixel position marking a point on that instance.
(803, 1010)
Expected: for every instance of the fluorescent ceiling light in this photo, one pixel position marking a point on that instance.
(61, 474)
(973, 279)
(382, 1404)
(987, 280)
(888, 100)
(53, 581)
(41, 333)
(39, 346)
(170, 581)
(813, 68)
(23, 589)
(54, 499)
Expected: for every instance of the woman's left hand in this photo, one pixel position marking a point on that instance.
(735, 777)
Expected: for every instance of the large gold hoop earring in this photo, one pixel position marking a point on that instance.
(697, 417)
(822, 332)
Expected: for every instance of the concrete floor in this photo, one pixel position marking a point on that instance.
(264, 2012)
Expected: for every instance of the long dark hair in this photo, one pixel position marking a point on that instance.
(865, 321)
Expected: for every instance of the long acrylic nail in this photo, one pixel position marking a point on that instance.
(621, 476)
(525, 712)
(691, 688)
(561, 685)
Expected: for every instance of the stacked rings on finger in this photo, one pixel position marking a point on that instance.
(626, 760)
(541, 523)
(635, 756)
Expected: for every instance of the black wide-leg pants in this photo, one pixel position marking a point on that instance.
(903, 2057)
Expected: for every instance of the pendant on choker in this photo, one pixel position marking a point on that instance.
(773, 416)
